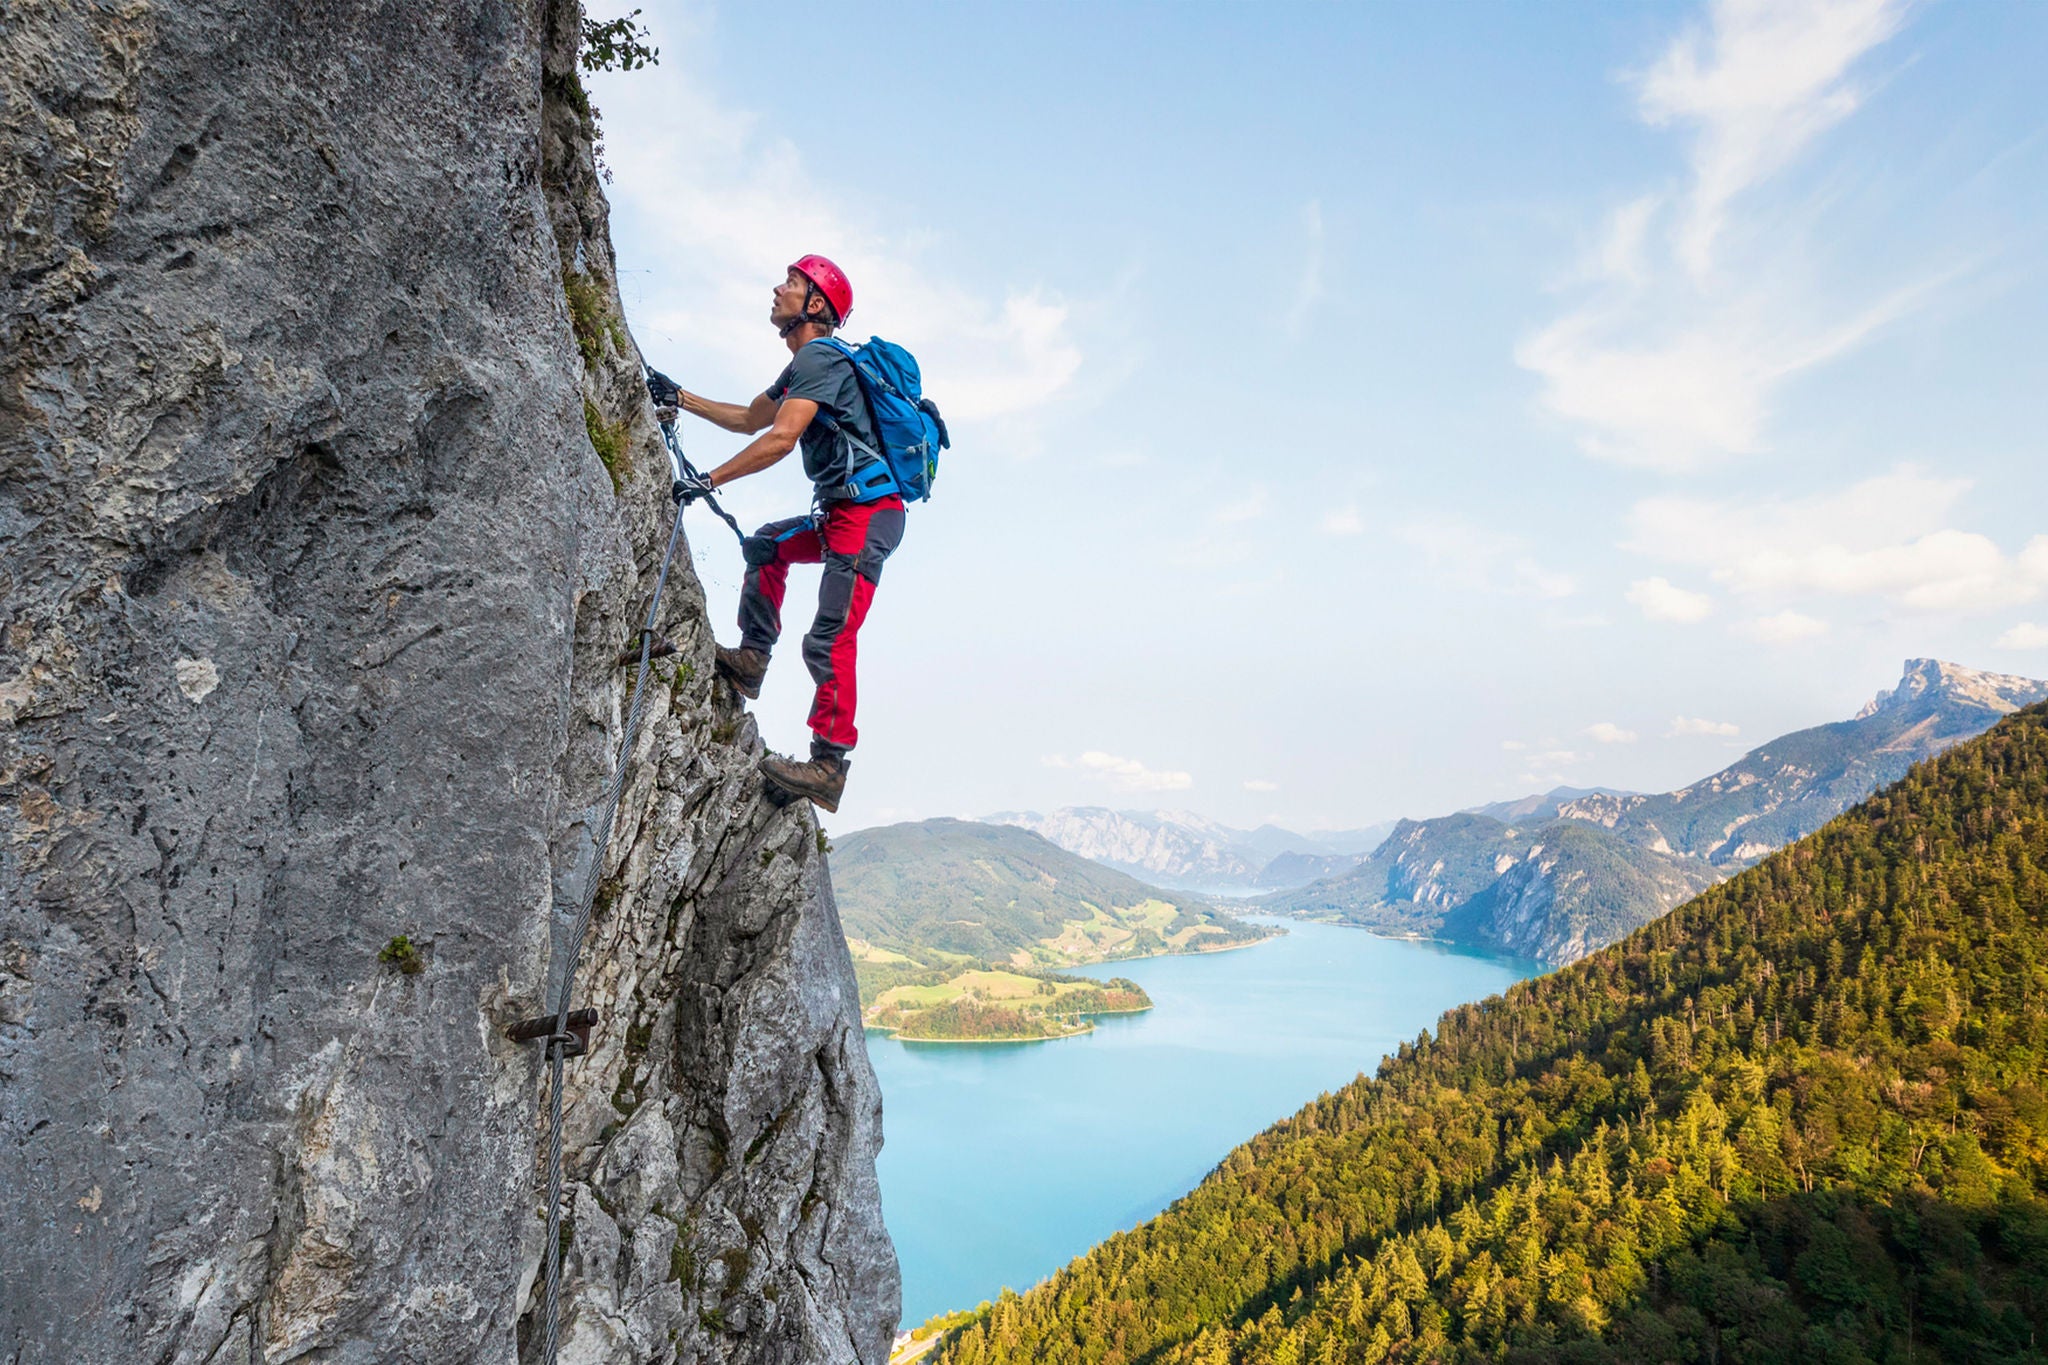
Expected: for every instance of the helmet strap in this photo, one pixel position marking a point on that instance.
(803, 312)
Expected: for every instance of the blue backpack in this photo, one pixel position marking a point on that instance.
(908, 423)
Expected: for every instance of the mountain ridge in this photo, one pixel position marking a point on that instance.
(1635, 855)
(1185, 851)
(924, 901)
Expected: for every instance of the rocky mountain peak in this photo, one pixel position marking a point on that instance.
(1937, 680)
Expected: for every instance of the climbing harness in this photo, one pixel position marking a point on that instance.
(566, 1032)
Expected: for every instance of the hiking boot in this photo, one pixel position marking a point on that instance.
(822, 779)
(743, 668)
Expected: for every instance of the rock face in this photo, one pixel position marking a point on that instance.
(310, 578)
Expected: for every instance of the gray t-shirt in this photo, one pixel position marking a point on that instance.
(822, 374)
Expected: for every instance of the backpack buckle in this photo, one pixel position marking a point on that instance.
(872, 482)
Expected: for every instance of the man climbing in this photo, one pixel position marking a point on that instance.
(816, 401)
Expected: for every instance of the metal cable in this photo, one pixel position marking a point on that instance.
(683, 466)
(552, 1284)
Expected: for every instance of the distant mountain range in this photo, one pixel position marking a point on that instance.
(1559, 876)
(1191, 852)
(941, 896)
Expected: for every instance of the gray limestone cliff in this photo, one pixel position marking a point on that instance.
(327, 493)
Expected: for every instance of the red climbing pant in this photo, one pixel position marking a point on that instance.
(858, 538)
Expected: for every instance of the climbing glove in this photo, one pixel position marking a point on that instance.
(689, 488)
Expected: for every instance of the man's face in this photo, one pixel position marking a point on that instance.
(789, 299)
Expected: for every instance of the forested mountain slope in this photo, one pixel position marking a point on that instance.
(1803, 1116)
(1007, 895)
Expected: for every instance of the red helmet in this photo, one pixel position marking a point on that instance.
(831, 282)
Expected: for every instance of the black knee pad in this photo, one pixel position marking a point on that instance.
(758, 551)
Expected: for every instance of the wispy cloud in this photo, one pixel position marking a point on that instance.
(1884, 537)
(1690, 726)
(1547, 764)
(733, 206)
(1756, 84)
(1344, 521)
(1660, 600)
(1607, 732)
(2025, 635)
(1250, 507)
(1308, 293)
(1126, 774)
(1261, 784)
(1484, 560)
(1671, 358)
(1783, 627)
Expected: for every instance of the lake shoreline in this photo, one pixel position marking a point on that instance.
(1047, 1038)
(1004, 1163)
(880, 1031)
(1170, 952)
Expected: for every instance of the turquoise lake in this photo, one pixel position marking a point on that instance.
(1005, 1161)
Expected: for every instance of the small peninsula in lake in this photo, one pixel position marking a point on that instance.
(996, 1006)
(960, 932)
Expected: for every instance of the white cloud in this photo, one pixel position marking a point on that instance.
(1884, 537)
(1757, 84)
(1530, 579)
(1671, 359)
(732, 207)
(1126, 774)
(1345, 521)
(1688, 726)
(1607, 732)
(2025, 635)
(1623, 253)
(1659, 600)
(1513, 746)
(1260, 784)
(1547, 767)
(1250, 507)
(1309, 292)
(1484, 561)
(1783, 628)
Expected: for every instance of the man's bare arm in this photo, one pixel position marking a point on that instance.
(744, 420)
(791, 417)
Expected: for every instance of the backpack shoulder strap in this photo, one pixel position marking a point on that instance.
(862, 382)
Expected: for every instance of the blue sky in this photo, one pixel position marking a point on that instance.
(1373, 410)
